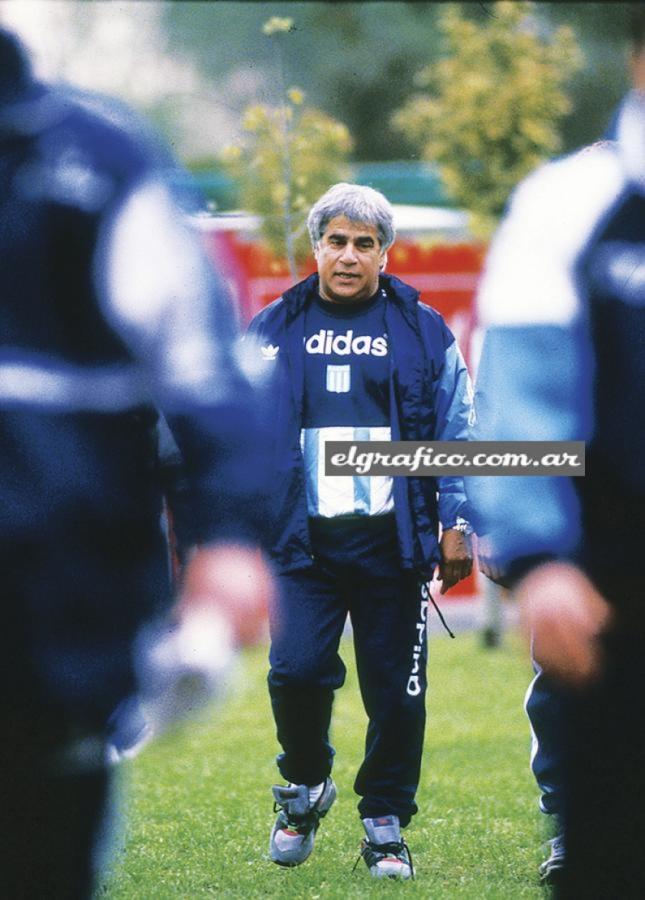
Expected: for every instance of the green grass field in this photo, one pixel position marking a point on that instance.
(199, 808)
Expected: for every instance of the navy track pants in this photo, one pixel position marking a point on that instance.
(356, 570)
(545, 706)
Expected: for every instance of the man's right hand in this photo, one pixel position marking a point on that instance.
(563, 616)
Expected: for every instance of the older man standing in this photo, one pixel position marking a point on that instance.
(356, 357)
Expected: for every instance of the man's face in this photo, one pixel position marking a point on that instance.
(349, 258)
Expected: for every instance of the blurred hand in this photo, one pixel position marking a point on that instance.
(234, 581)
(187, 661)
(456, 558)
(488, 565)
(563, 616)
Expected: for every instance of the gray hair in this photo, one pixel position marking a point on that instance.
(358, 204)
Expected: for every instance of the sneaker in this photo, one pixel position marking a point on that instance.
(294, 832)
(129, 731)
(552, 868)
(384, 850)
(116, 752)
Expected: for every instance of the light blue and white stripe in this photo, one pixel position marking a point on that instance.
(330, 496)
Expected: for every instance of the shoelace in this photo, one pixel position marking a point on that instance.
(394, 848)
(439, 613)
(304, 823)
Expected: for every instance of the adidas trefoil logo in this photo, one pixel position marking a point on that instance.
(269, 352)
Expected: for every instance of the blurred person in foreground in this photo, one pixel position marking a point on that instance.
(544, 704)
(356, 356)
(563, 298)
(108, 311)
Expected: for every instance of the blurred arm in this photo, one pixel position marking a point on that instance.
(535, 377)
(535, 382)
(163, 298)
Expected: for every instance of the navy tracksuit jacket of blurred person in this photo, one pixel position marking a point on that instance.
(545, 707)
(108, 310)
(563, 301)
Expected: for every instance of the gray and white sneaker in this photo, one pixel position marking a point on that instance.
(385, 852)
(294, 832)
(552, 867)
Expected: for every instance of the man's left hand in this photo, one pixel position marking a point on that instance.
(456, 558)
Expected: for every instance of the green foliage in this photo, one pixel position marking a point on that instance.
(278, 25)
(354, 60)
(200, 807)
(357, 61)
(291, 155)
(490, 108)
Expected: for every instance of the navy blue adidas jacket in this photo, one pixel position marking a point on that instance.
(429, 400)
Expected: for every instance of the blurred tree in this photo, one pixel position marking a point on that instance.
(289, 156)
(354, 60)
(195, 66)
(597, 87)
(492, 104)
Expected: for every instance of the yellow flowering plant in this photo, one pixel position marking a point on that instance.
(289, 155)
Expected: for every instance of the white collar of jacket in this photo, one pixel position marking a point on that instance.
(631, 138)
